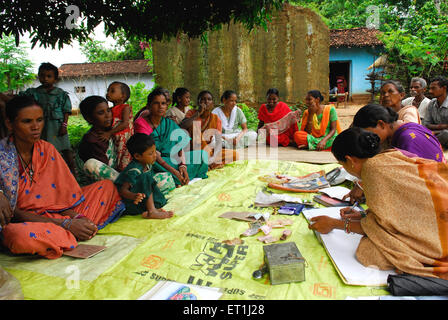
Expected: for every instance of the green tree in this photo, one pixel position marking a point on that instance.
(414, 32)
(16, 70)
(139, 95)
(124, 49)
(419, 48)
(55, 23)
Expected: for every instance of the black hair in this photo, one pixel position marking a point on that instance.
(227, 94)
(158, 91)
(88, 105)
(49, 67)
(124, 89)
(369, 115)
(202, 93)
(443, 82)
(178, 93)
(18, 103)
(163, 91)
(273, 91)
(316, 94)
(139, 143)
(397, 84)
(355, 142)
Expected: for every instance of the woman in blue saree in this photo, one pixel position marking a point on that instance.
(170, 142)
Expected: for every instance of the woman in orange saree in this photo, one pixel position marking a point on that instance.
(406, 231)
(51, 211)
(208, 136)
(319, 126)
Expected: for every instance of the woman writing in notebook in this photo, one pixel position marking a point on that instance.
(406, 231)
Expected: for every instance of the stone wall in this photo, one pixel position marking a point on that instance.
(292, 56)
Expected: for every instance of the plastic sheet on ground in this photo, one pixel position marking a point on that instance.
(189, 248)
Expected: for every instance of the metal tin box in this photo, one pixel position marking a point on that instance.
(285, 263)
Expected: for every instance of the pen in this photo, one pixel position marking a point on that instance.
(353, 206)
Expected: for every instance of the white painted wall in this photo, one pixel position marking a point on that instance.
(97, 85)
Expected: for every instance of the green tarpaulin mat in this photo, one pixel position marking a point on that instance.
(189, 248)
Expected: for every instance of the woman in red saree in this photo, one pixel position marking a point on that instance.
(51, 211)
(273, 111)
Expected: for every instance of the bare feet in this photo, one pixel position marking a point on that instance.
(214, 166)
(157, 214)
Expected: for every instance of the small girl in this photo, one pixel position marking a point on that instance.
(136, 183)
(234, 123)
(122, 129)
(181, 104)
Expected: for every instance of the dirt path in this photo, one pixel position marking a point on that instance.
(345, 115)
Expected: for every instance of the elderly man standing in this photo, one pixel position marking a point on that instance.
(417, 98)
(436, 118)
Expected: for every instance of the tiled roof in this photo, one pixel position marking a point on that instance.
(104, 68)
(357, 37)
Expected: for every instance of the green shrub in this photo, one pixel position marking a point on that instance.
(76, 128)
(251, 116)
(139, 96)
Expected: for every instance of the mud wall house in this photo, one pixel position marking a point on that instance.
(292, 56)
(352, 51)
(81, 80)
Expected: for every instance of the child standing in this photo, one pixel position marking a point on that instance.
(136, 183)
(181, 104)
(57, 108)
(122, 129)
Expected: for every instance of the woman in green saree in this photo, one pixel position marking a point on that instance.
(170, 142)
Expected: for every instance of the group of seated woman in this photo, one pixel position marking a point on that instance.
(51, 214)
(315, 130)
(402, 177)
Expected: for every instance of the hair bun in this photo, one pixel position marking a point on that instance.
(369, 143)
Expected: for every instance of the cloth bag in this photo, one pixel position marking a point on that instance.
(411, 285)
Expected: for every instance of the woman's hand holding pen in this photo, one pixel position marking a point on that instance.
(350, 212)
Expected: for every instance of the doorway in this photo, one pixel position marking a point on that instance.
(340, 70)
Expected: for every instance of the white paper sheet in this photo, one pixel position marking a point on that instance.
(341, 247)
(263, 198)
(337, 192)
(166, 290)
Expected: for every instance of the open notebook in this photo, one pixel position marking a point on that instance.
(341, 248)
